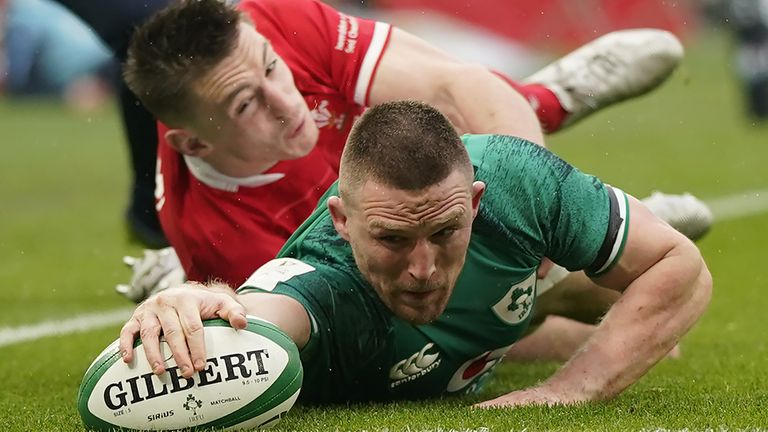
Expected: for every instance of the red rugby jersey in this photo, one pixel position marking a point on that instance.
(225, 228)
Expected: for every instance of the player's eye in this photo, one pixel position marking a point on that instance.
(444, 233)
(392, 240)
(270, 67)
(243, 106)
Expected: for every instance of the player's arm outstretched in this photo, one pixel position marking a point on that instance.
(179, 312)
(473, 98)
(665, 288)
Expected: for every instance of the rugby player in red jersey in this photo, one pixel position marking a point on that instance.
(256, 104)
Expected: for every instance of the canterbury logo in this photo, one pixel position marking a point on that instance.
(414, 366)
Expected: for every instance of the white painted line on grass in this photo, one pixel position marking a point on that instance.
(79, 323)
(729, 207)
(748, 203)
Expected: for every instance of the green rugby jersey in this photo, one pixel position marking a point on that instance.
(535, 205)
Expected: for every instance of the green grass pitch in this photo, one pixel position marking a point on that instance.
(64, 180)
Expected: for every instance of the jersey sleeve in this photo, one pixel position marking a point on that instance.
(547, 207)
(339, 339)
(339, 50)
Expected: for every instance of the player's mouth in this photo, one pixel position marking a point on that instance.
(420, 297)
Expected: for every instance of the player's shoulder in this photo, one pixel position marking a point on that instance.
(510, 156)
(303, 276)
(274, 6)
(317, 227)
(490, 145)
(270, 15)
(300, 31)
(268, 276)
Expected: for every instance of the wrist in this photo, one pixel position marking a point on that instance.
(568, 392)
(216, 287)
(221, 288)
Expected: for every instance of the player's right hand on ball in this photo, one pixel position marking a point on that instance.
(177, 314)
(156, 271)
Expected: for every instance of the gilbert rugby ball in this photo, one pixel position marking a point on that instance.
(252, 378)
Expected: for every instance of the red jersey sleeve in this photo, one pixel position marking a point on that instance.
(321, 44)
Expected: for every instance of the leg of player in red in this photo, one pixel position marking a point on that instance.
(610, 69)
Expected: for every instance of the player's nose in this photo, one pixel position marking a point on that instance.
(421, 261)
(279, 102)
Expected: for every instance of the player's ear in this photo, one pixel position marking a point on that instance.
(339, 216)
(186, 143)
(478, 188)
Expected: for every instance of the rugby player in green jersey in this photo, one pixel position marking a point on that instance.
(418, 271)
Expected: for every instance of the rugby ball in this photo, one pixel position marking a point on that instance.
(252, 378)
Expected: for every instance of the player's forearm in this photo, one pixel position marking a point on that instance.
(481, 103)
(656, 310)
(281, 310)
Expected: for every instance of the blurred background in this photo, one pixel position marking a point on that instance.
(64, 175)
(64, 172)
(65, 179)
(47, 51)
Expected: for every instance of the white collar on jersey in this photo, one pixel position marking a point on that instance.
(209, 176)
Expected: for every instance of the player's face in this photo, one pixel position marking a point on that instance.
(411, 245)
(251, 110)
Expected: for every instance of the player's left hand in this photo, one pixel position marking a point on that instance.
(530, 396)
(177, 314)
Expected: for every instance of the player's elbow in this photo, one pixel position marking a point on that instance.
(455, 90)
(462, 90)
(702, 291)
(475, 73)
(699, 284)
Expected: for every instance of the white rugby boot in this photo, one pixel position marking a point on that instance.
(685, 213)
(615, 67)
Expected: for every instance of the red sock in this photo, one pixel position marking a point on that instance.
(548, 109)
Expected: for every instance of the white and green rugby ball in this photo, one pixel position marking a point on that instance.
(252, 378)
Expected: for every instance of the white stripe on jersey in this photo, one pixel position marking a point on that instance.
(375, 49)
(621, 198)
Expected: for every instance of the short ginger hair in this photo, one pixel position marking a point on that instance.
(407, 145)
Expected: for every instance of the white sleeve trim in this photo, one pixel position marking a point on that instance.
(375, 49)
(618, 245)
(275, 271)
